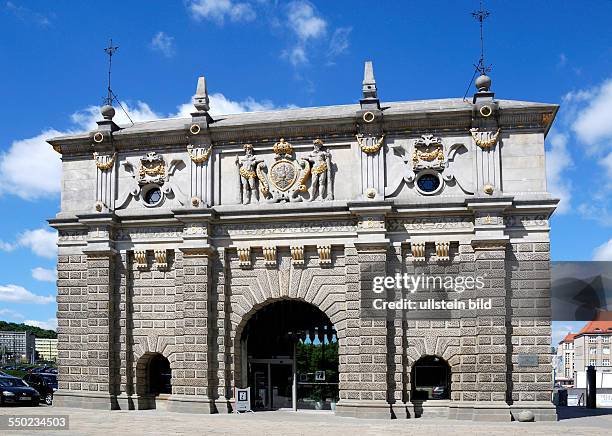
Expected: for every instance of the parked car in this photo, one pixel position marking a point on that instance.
(45, 384)
(13, 390)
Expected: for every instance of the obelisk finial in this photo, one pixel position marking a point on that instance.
(369, 91)
(200, 99)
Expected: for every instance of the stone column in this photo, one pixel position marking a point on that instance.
(101, 376)
(365, 391)
(396, 340)
(100, 313)
(220, 333)
(72, 317)
(191, 390)
(489, 244)
(491, 347)
(190, 386)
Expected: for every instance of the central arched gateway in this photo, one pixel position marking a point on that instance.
(289, 357)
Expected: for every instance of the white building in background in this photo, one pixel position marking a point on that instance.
(46, 348)
(16, 346)
(592, 347)
(565, 360)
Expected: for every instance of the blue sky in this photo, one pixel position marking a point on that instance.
(259, 54)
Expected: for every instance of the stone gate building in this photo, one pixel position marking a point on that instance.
(175, 234)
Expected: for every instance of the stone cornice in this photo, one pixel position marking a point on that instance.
(538, 117)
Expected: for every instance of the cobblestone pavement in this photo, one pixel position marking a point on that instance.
(157, 422)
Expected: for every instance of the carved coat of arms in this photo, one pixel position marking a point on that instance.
(150, 172)
(286, 177)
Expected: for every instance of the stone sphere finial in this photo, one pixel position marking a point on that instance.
(107, 111)
(483, 83)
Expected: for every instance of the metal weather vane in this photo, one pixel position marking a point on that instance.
(110, 51)
(480, 16)
(110, 95)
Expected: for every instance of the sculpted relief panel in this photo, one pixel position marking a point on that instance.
(429, 166)
(426, 165)
(284, 177)
(152, 181)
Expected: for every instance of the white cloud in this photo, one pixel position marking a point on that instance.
(8, 313)
(221, 105)
(562, 60)
(304, 21)
(587, 113)
(85, 119)
(296, 55)
(593, 126)
(44, 274)
(19, 294)
(558, 160)
(50, 324)
(42, 242)
(28, 15)
(219, 10)
(307, 25)
(604, 251)
(30, 168)
(339, 42)
(164, 44)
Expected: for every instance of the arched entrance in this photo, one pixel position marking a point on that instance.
(289, 352)
(431, 376)
(153, 377)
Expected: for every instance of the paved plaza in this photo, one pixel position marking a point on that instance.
(157, 422)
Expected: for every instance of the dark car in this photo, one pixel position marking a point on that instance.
(13, 390)
(45, 384)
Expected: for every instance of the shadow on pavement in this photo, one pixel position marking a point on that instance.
(571, 412)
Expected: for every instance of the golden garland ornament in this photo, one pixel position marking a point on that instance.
(158, 170)
(246, 173)
(302, 183)
(263, 184)
(104, 166)
(319, 168)
(485, 144)
(428, 156)
(369, 149)
(201, 158)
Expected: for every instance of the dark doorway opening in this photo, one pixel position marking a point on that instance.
(160, 375)
(290, 349)
(431, 377)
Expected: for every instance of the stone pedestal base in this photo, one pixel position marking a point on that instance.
(190, 404)
(542, 410)
(493, 411)
(125, 402)
(365, 409)
(462, 410)
(224, 405)
(85, 400)
(430, 409)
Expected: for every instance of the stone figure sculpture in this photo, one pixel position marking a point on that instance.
(247, 175)
(321, 172)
